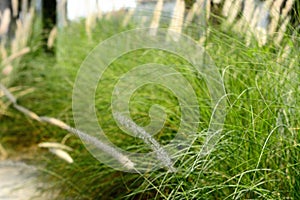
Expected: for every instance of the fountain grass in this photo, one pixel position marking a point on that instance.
(258, 155)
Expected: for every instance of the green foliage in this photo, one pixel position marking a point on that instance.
(257, 157)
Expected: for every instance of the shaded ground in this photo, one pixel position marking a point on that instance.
(18, 181)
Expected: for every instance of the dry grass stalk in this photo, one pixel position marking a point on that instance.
(5, 21)
(275, 15)
(177, 19)
(128, 17)
(156, 17)
(52, 37)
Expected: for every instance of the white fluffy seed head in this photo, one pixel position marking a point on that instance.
(54, 145)
(62, 154)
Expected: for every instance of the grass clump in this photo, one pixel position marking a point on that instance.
(256, 157)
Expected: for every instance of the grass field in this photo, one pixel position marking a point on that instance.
(257, 157)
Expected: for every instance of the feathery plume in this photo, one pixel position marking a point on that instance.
(275, 15)
(54, 145)
(177, 19)
(248, 11)
(90, 21)
(5, 21)
(261, 35)
(62, 154)
(24, 8)
(23, 31)
(195, 10)
(16, 55)
(124, 160)
(281, 31)
(55, 122)
(235, 9)
(138, 131)
(115, 153)
(15, 6)
(156, 17)
(253, 23)
(226, 7)
(288, 6)
(51, 38)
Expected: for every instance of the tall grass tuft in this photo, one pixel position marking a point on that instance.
(257, 156)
